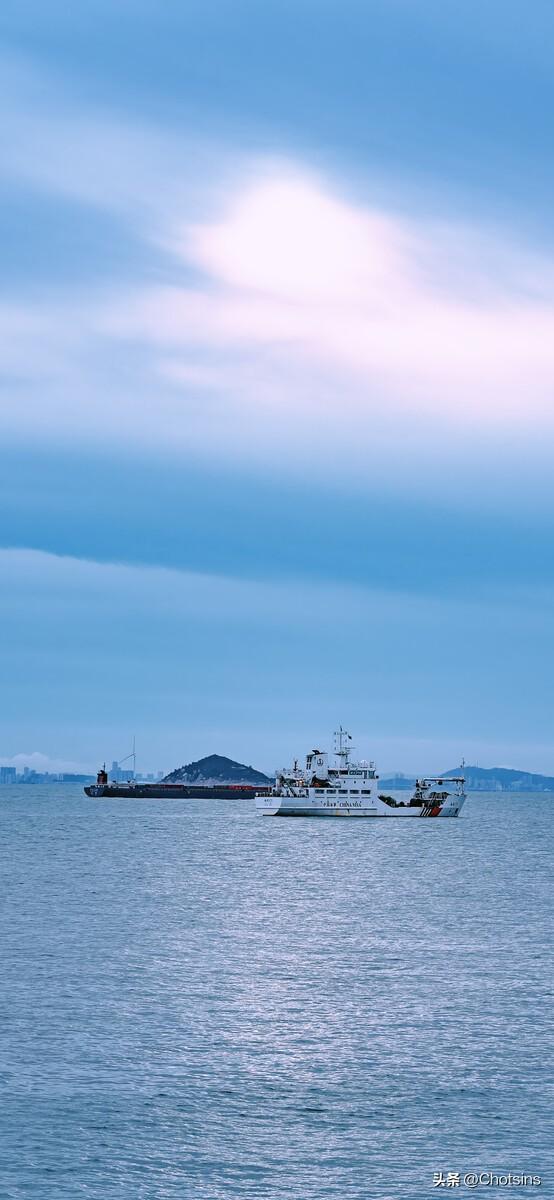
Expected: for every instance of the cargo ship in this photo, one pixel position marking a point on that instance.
(104, 789)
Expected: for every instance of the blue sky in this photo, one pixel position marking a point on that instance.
(277, 316)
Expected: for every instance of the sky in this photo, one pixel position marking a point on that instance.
(276, 379)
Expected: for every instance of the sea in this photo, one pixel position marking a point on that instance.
(200, 1002)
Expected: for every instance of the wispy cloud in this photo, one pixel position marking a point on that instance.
(295, 272)
(287, 319)
(96, 156)
(35, 760)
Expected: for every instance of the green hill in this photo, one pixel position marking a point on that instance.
(215, 769)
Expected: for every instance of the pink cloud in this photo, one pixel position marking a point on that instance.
(313, 326)
(292, 271)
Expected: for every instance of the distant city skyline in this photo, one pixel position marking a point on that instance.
(277, 303)
(11, 774)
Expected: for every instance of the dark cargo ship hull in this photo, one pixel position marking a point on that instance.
(173, 791)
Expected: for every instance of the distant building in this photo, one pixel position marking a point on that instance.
(120, 774)
(7, 775)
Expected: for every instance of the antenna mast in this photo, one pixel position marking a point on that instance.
(342, 749)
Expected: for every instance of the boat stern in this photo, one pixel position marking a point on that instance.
(441, 797)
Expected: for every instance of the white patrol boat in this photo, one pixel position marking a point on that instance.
(351, 789)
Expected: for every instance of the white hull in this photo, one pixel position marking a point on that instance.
(351, 789)
(314, 804)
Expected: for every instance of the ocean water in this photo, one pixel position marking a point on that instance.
(199, 1002)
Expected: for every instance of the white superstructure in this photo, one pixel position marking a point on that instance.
(351, 789)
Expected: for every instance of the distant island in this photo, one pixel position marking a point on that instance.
(215, 769)
(484, 779)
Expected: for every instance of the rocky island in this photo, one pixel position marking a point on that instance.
(214, 770)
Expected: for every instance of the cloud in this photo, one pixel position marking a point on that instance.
(288, 321)
(110, 590)
(319, 327)
(90, 154)
(36, 761)
(288, 238)
(293, 270)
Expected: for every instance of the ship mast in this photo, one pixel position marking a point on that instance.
(342, 749)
